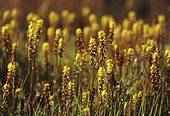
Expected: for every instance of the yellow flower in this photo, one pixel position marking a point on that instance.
(132, 16)
(14, 13)
(126, 24)
(60, 44)
(11, 67)
(104, 21)
(78, 31)
(136, 28)
(147, 31)
(112, 24)
(92, 18)
(46, 86)
(109, 66)
(71, 17)
(94, 27)
(66, 70)
(101, 73)
(86, 111)
(104, 93)
(64, 13)
(161, 19)
(155, 56)
(58, 33)
(46, 46)
(86, 31)
(51, 99)
(101, 36)
(6, 15)
(50, 32)
(135, 97)
(85, 11)
(53, 18)
(92, 43)
(5, 29)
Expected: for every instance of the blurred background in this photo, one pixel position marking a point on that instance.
(145, 9)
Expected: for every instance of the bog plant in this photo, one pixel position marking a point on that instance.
(101, 68)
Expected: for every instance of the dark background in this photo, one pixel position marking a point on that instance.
(146, 9)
